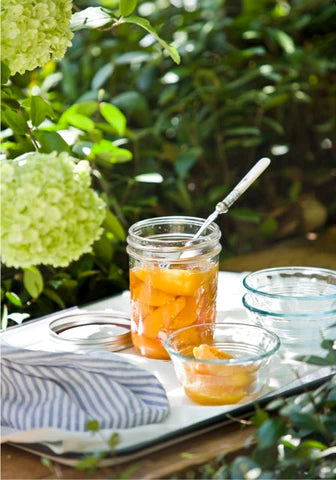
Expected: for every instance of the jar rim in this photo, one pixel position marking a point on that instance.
(151, 245)
(215, 233)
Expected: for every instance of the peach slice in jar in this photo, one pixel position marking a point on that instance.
(148, 295)
(149, 347)
(172, 281)
(159, 319)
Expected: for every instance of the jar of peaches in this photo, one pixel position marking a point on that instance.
(173, 279)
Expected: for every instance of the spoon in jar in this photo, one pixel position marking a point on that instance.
(240, 188)
(224, 205)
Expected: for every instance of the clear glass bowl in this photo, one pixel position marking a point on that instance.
(301, 333)
(292, 290)
(236, 379)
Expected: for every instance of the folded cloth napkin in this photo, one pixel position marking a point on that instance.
(66, 390)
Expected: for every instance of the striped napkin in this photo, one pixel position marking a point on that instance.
(66, 390)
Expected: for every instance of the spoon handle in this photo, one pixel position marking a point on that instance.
(243, 185)
(240, 188)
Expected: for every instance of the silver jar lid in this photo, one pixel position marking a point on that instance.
(91, 330)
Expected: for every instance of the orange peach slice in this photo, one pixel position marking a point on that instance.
(173, 281)
(161, 317)
(149, 347)
(214, 396)
(209, 352)
(151, 296)
(187, 316)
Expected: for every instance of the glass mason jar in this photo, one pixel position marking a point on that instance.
(173, 283)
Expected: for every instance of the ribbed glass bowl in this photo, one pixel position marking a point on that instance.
(223, 381)
(292, 290)
(300, 334)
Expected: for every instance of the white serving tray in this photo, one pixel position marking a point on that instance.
(185, 419)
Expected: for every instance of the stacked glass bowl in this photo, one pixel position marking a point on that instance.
(297, 303)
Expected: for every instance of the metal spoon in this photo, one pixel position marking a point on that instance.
(240, 188)
(224, 205)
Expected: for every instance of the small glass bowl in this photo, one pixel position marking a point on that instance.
(300, 333)
(223, 381)
(292, 290)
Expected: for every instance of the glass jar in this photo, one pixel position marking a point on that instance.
(173, 281)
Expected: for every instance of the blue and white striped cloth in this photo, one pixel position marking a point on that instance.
(66, 390)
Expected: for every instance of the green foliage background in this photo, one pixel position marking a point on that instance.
(256, 78)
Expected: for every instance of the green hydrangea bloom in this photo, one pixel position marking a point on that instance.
(34, 32)
(50, 213)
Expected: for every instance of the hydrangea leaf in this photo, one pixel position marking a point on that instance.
(14, 299)
(126, 7)
(15, 121)
(33, 281)
(114, 117)
(112, 224)
(108, 151)
(39, 110)
(5, 73)
(50, 141)
(91, 17)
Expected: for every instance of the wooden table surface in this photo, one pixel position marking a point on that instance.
(19, 465)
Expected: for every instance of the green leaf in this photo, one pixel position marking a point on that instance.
(89, 463)
(133, 57)
(15, 121)
(39, 110)
(259, 417)
(186, 160)
(92, 17)
(112, 224)
(113, 440)
(327, 344)
(101, 76)
(270, 431)
(50, 141)
(241, 466)
(275, 404)
(143, 23)
(33, 281)
(275, 100)
(283, 39)
(242, 131)
(84, 108)
(186, 455)
(93, 425)
(46, 462)
(114, 117)
(103, 249)
(126, 7)
(52, 295)
(5, 73)
(245, 214)
(306, 421)
(312, 359)
(108, 151)
(79, 121)
(14, 299)
(268, 227)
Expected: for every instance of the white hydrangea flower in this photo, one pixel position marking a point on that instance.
(49, 213)
(34, 32)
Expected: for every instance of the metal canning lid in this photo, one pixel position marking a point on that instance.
(89, 330)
